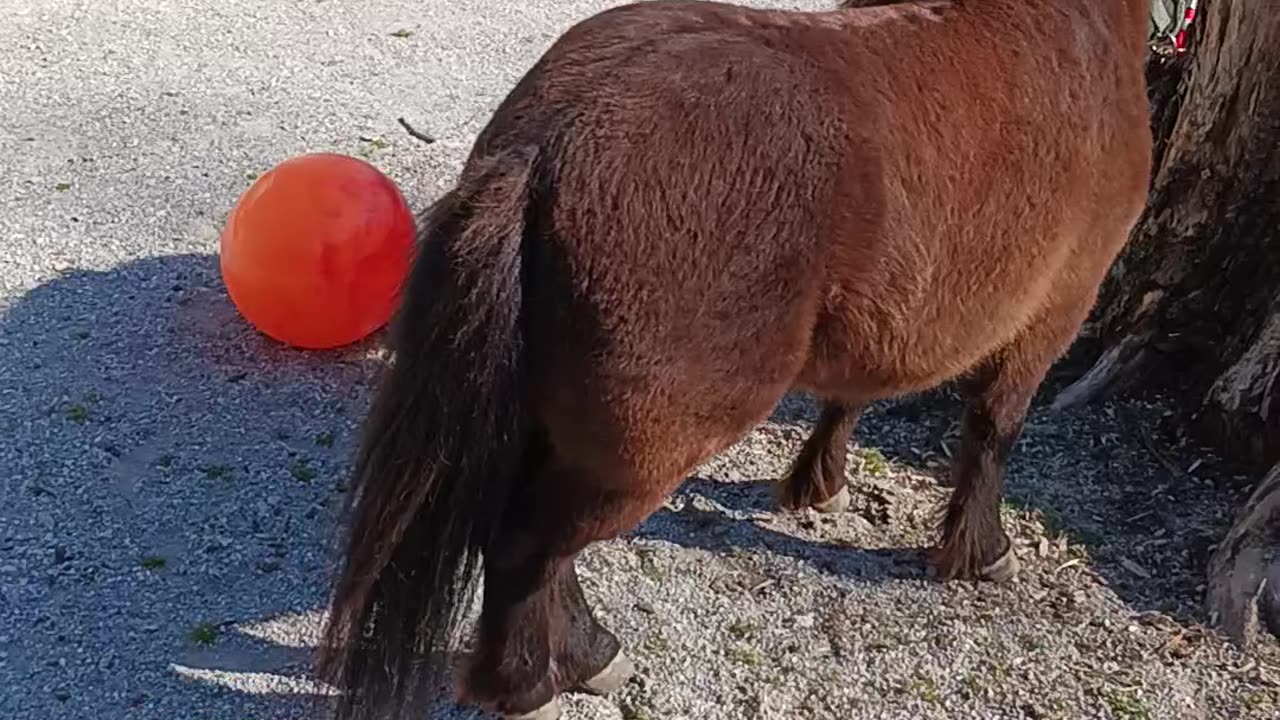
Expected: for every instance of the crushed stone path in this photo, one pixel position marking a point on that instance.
(168, 478)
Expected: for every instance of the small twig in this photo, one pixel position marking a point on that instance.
(414, 133)
(1070, 563)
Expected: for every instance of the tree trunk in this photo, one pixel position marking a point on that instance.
(1244, 573)
(1194, 301)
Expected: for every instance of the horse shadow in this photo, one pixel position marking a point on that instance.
(723, 519)
(1117, 481)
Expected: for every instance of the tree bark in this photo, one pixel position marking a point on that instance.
(1244, 573)
(1198, 280)
(1193, 304)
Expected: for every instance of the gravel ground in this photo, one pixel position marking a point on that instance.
(169, 476)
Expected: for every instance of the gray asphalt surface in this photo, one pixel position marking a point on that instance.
(168, 476)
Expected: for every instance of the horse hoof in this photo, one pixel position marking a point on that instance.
(613, 677)
(550, 711)
(1005, 567)
(837, 503)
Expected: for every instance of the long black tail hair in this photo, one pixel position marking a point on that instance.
(440, 448)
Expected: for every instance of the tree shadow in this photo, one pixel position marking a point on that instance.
(168, 474)
(171, 481)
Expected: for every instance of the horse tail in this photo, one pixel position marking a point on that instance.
(439, 451)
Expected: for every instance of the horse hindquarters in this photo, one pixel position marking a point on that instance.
(625, 410)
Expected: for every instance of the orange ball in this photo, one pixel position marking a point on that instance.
(315, 251)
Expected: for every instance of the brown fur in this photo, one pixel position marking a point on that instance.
(692, 208)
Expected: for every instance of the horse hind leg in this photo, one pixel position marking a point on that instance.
(511, 671)
(817, 478)
(973, 542)
(590, 656)
(538, 635)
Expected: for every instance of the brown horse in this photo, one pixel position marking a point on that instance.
(681, 212)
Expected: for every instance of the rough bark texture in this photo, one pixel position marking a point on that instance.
(1200, 281)
(1244, 573)
(1194, 301)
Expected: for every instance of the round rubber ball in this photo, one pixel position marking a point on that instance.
(316, 250)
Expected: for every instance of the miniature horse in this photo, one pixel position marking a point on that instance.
(684, 210)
